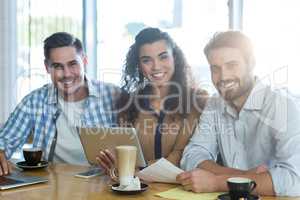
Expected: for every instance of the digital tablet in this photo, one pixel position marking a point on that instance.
(15, 180)
(94, 140)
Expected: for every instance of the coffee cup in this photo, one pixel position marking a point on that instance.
(126, 158)
(240, 187)
(32, 156)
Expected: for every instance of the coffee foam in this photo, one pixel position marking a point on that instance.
(127, 147)
(239, 180)
(32, 149)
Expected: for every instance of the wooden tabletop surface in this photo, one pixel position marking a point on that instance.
(63, 185)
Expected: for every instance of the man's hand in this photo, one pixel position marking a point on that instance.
(5, 167)
(217, 169)
(257, 170)
(198, 180)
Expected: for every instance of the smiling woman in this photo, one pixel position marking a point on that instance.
(157, 62)
(158, 98)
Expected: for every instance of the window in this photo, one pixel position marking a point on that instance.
(273, 25)
(37, 20)
(190, 22)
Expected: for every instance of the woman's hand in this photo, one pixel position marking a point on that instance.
(106, 160)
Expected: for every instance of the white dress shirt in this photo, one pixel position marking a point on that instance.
(266, 131)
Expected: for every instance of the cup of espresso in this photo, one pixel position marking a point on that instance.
(32, 156)
(126, 158)
(240, 187)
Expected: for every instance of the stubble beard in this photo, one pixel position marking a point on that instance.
(233, 94)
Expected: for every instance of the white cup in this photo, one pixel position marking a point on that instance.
(126, 158)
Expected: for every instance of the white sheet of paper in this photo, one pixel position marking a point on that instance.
(160, 171)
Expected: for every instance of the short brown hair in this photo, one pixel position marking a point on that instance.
(233, 39)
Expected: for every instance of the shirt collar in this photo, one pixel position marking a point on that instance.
(53, 92)
(256, 98)
(92, 88)
(254, 101)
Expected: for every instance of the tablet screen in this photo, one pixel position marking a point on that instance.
(8, 181)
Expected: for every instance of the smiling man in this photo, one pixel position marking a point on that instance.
(52, 112)
(254, 128)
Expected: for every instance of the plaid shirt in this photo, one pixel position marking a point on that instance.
(38, 111)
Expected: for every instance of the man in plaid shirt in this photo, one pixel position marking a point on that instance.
(52, 112)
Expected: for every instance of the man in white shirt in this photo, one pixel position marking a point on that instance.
(254, 128)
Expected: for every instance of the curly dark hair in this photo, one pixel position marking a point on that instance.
(133, 78)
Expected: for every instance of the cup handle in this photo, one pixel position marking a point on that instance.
(253, 186)
(112, 174)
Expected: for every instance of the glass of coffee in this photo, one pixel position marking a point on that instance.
(126, 159)
(32, 156)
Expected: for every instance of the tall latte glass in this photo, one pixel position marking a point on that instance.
(126, 158)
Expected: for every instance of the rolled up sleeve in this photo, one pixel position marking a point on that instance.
(285, 171)
(16, 129)
(285, 181)
(2, 145)
(203, 144)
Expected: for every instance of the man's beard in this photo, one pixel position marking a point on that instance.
(238, 91)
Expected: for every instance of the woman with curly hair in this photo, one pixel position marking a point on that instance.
(158, 98)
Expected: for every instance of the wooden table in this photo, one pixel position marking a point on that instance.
(63, 185)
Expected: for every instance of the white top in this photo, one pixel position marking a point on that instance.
(266, 131)
(68, 147)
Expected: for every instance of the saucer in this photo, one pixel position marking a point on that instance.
(25, 166)
(227, 197)
(115, 188)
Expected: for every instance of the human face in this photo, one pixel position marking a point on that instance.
(66, 68)
(157, 62)
(231, 75)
